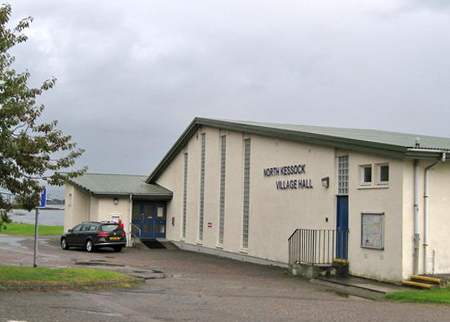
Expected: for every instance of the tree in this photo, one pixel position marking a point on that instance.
(32, 154)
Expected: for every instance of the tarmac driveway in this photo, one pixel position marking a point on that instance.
(184, 286)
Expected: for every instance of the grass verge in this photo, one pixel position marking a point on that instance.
(21, 229)
(438, 295)
(20, 277)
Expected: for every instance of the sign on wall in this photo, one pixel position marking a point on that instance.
(288, 171)
(372, 230)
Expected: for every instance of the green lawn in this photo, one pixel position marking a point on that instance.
(21, 277)
(438, 295)
(66, 275)
(28, 229)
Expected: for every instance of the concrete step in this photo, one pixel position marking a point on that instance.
(425, 282)
(424, 286)
(167, 244)
(358, 286)
(136, 243)
(427, 279)
(154, 243)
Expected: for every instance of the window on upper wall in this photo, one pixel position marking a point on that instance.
(374, 175)
(383, 173)
(366, 175)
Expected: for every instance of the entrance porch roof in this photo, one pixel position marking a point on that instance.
(120, 185)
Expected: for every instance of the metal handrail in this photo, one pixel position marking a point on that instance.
(131, 231)
(317, 246)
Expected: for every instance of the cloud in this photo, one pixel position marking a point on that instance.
(430, 4)
(132, 76)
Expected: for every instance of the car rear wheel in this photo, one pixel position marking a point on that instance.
(117, 248)
(64, 244)
(89, 246)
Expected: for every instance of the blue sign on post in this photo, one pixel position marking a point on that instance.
(43, 203)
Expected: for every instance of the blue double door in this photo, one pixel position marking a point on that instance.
(342, 228)
(150, 219)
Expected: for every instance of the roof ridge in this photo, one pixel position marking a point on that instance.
(266, 124)
(115, 174)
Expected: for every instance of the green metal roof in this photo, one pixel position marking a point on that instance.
(119, 185)
(366, 135)
(393, 144)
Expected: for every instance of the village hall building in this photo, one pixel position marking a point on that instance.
(282, 194)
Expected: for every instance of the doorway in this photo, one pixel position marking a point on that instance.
(342, 228)
(150, 218)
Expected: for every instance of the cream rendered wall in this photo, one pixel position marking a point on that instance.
(94, 210)
(378, 264)
(408, 217)
(172, 179)
(439, 218)
(212, 175)
(274, 214)
(234, 191)
(76, 208)
(80, 206)
(107, 208)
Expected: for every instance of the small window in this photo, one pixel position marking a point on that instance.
(160, 212)
(384, 174)
(366, 174)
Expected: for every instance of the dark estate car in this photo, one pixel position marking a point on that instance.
(92, 235)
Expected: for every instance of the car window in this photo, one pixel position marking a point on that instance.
(85, 228)
(110, 227)
(77, 228)
(93, 228)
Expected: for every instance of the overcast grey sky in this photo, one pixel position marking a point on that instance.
(133, 74)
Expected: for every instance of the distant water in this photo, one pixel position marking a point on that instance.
(46, 216)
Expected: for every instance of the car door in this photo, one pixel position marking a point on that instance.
(92, 232)
(83, 234)
(72, 235)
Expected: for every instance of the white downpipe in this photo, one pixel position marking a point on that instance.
(434, 262)
(130, 218)
(426, 212)
(416, 238)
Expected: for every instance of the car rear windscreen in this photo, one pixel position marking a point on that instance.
(110, 227)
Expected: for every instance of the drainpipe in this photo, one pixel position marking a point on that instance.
(130, 216)
(416, 238)
(426, 211)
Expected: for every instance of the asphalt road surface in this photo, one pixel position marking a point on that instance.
(184, 286)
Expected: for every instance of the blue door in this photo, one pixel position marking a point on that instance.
(150, 219)
(342, 228)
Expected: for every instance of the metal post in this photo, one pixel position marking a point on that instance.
(36, 236)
